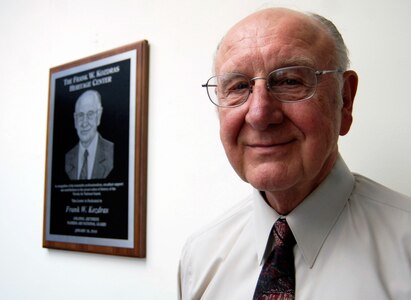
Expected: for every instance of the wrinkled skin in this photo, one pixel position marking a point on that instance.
(284, 149)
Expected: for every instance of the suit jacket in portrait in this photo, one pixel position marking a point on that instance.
(103, 163)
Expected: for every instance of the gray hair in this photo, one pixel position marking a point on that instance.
(341, 49)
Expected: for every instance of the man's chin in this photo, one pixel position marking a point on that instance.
(270, 179)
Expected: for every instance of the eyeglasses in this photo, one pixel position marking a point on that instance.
(290, 84)
(90, 115)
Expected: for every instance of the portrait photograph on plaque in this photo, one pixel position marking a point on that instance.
(96, 153)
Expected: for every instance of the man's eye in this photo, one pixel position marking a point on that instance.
(239, 86)
(292, 82)
(285, 82)
(90, 114)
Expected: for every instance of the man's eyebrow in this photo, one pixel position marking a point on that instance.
(295, 61)
(282, 63)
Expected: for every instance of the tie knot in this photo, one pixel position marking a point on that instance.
(85, 153)
(283, 235)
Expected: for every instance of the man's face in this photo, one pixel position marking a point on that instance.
(87, 118)
(275, 146)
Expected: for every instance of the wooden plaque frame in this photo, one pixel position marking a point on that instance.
(106, 212)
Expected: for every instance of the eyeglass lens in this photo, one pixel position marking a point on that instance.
(287, 84)
(90, 115)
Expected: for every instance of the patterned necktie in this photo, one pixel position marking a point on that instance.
(84, 168)
(277, 278)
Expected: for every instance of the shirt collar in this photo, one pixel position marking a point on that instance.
(91, 148)
(312, 220)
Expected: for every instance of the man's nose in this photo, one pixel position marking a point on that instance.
(263, 109)
(84, 123)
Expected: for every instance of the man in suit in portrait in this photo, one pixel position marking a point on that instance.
(92, 157)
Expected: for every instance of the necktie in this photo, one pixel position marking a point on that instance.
(84, 168)
(277, 278)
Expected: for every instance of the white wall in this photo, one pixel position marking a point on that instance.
(189, 179)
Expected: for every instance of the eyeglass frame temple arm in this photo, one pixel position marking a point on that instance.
(318, 73)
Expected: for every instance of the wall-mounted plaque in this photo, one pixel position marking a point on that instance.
(96, 160)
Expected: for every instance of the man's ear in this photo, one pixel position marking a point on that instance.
(348, 94)
(99, 113)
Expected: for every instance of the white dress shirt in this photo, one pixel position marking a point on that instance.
(353, 242)
(91, 149)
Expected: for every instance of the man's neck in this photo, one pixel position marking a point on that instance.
(87, 144)
(283, 202)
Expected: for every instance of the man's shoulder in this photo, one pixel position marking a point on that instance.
(230, 221)
(72, 153)
(105, 143)
(207, 248)
(217, 237)
(378, 194)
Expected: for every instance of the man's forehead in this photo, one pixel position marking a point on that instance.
(272, 21)
(86, 101)
(268, 26)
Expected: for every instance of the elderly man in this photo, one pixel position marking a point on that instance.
(92, 157)
(311, 229)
